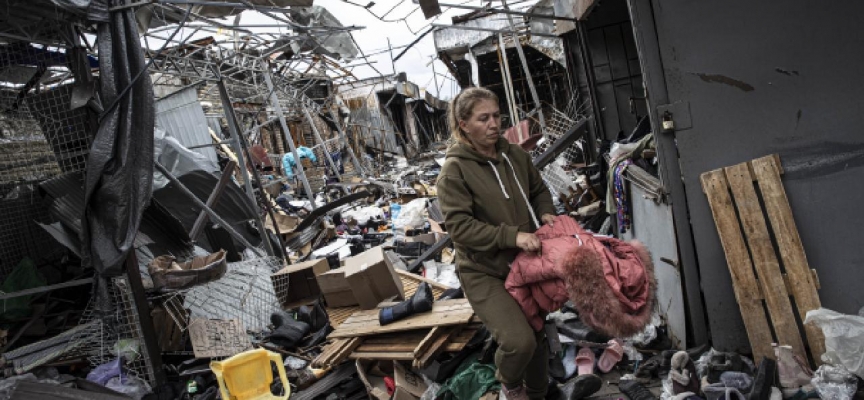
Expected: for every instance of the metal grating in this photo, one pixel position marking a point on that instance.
(245, 293)
(41, 136)
(121, 327)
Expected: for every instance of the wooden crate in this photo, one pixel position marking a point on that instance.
(757, 275)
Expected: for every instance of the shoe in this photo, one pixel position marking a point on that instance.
(420, 302)
(765, 378)
(794, 373)
(635, 391)
(719, 362)
(585, 361)
(517, 393)
(314, 315)
(581, 387)
(611, 355)
(683, 374)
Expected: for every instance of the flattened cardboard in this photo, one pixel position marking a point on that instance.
(409, 386)
(372, 278)
(218, 338)
(335, 288)
(301, 285)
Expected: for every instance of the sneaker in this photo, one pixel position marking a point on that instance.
(582, 386)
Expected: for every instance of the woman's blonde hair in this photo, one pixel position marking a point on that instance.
(462, 106)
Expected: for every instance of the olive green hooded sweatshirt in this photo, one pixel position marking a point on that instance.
(485, 207)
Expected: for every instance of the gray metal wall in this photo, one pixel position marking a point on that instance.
(762, 78)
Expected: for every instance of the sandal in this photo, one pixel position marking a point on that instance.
(613, 353)
(585, 361)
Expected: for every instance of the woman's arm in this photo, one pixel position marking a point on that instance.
(464, 229)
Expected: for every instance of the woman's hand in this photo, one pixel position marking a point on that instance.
(548, 219)
(528, 242)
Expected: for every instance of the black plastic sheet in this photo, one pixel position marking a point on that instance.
(119, 174)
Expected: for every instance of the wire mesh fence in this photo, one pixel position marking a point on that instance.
(45, 130)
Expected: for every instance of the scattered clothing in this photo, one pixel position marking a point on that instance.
(619, 192)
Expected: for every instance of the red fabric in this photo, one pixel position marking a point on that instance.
(610, 282)
(512, 135)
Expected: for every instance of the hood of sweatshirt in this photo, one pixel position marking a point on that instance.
(487, 201)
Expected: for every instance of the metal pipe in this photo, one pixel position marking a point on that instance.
(507, 80)
(357, 166)
(277, 108)
(198, 226)
(242, 155)
(525, 70)
(329, 159)
(188, 193)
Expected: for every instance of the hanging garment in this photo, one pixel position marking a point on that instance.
(610, 281)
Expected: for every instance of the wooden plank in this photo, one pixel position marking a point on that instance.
(801, 279)
(445, 312)
(384, 355)
(346, 351)
(427, 341)
(397, 347)
(764, 257)
(740, 268)
(423, 358)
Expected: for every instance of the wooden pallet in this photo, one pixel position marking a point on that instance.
(742, 212)
(420, 346)
(410, 282)
(444, 312)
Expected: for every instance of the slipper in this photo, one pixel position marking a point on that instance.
(610, 356)
(585, 361)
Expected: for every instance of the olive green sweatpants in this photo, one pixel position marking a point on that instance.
(522, 354)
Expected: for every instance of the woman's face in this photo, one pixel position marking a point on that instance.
(483, 126)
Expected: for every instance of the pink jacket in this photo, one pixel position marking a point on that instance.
(610, 281)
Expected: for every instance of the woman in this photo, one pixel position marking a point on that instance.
(490, 194)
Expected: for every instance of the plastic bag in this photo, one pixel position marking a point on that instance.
(126, 348)
(834, 382)
(844, 338)
(103, 373)
(411, 215)
(131, 386)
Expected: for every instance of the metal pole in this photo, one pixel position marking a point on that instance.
(277, 108)
(507, 81)
(211, 201)
(392, 63)
(525, 68)
(145, 322)
(235, 138)
(240, 145)
(344, 137)
(435, 77)
(315, 132)
(213, 215)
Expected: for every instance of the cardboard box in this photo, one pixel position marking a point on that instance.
(335, 288)
(372, 278)
(286, 223)
(297, 284)
(409, 386)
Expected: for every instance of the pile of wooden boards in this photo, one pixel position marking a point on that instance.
(744, 212)
(419, 338)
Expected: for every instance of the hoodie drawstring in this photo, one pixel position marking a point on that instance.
(500, 183)
(519, 185)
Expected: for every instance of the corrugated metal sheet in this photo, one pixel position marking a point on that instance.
(182, 117)
(458, 41)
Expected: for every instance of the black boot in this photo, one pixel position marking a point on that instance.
(765, 377)
(420, 302)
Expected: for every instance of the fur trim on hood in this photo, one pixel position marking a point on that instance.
(602, 310)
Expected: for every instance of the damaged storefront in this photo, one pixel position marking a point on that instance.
(196, 205)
